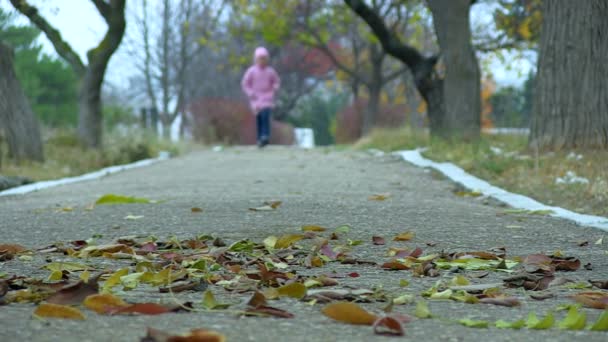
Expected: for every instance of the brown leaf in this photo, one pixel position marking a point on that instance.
(406, 253)
(74, 294)
(313, 228)
(350, 313)
(3, 288)
(602, 284)
(270, 311)
(257, 299)
(48, 310)
(407, 236)
(571, 264)
(592, 299)
(11, 248)
(196, 210)
(431, 243)
(395, 265)
(378, 240)
(192, 285)
(388, 326)
(501, 301)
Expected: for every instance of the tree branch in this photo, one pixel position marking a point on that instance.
(61, 46)
(104, 9)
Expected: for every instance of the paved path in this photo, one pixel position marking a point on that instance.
(327, 188)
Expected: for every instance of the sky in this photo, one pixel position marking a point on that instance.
(82, 27)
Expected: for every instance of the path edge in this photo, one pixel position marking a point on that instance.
(24, 189)
(516, 201)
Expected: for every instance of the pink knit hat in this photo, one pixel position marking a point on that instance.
(261, 52)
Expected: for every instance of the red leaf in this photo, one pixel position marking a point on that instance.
(149, 247)
(394, 265)
(388, 326)
(354, 275)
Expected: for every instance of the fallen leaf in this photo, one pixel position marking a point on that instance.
(542, 295)
(534, 323)
(348, 312)
(143, 309)
(407, 236)
(574, 320)
(196, 335)
(120, 199)
(134, 217)
(378, 240)
(395, 265)
(313, 228)
(12, 248)
(66, 266)
(602, 323)
(510, 325)
(601, 284)
(114, 279)
(196, 210)
(210, 303)
(473, 323)
(48, 310)
(591, 299)
(378, 197)
(599, 241)
(501, 301)
(74, 294)
(103, 303)
(328, 251)
(388, 326)
(293, 290)
(422, 310)
(270, 311)
(343, 229)
(286, 241)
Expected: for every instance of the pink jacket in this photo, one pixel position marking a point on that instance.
(260, 84)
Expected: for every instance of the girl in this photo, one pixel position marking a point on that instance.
(260, 83)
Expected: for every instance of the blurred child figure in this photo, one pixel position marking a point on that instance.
(260, 83)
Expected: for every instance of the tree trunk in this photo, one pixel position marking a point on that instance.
(461, 84)
(90, 118)
(571, 103)
(16, 116)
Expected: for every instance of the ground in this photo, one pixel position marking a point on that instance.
(320, 187)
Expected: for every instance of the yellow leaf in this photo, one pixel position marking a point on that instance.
(114, 279)
(270, 242)
(293, 290)
(350, 313)
(422, 310)
(55, 276)
(47, 310)
(313, 228)
(378, 197)
(407, 236)
(102, 303)
(286, 241)
(84, 276)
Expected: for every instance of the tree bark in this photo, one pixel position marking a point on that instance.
(91, 75)
(16, 116)
(461, 84)
(571, 103)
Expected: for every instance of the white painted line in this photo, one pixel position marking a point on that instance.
(514, 200)
(20, 190)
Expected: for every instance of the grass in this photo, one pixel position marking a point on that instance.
(65, 156)
(506, 161)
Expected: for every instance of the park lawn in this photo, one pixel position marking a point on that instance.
(65, 157)
(507, 162)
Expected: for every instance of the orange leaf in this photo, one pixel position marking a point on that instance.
(104, 303)
(312, 228)
(388, 326)
(350, 313)
(12, 248)
(407, 236)
(47, 310)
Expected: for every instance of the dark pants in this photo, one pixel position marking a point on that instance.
(263, 124)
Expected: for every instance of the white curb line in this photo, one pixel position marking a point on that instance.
(20, 190)
(514, 200)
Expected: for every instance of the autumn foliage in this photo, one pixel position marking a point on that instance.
(231, 122)
(350, 119)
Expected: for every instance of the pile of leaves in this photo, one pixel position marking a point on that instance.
(287, 266)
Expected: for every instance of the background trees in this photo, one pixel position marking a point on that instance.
(90, 75)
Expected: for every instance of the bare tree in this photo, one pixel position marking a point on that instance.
(91, 75)
(16, 117)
